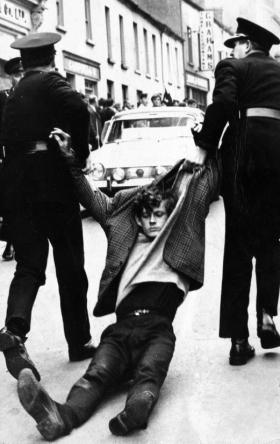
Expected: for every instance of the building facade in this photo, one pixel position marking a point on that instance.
(199, 76)
(17, 18)
(113, 48)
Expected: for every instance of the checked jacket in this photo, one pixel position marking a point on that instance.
(185, 247)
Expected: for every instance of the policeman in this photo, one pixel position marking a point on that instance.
(39, 201)
(13, 68)
(247, 96)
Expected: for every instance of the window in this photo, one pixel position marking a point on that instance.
(110, 89)
(136, 47)
(168, 62)
(71, 79)
(190, 45)
(88, 20)
(60, 13)
(155, 55)
(146, 51)
(177, 66)
(109, 36)
(124, 93)
(90, 87)
(138, 95)
(123, 58)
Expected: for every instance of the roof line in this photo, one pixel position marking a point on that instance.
(162, 27)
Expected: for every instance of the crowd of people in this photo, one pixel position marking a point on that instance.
(156, 234)
(101, 110)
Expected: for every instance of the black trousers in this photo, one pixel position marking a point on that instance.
(30, 230)
(144, 344)
(242, 244)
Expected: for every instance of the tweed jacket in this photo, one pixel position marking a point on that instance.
(185, 246)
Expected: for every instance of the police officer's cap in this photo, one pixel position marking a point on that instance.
(13, 66)
(250, 30)
(36, 40)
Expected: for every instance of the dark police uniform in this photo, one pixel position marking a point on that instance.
(247, 95)
(39, 202)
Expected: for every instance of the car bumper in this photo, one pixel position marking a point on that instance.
(113, 186)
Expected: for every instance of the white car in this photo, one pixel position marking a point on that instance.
(139, 145)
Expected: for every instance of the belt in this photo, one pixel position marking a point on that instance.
(137, 313)
(36, 147)
(263, 112)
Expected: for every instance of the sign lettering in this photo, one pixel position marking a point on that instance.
(207, 40)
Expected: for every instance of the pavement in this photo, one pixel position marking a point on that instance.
(203, 400)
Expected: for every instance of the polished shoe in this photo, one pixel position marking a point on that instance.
(134, 416)
(9, 252)
(15, 354)
(37, 402)
(241, 351)
(85, 352)
(267, 332)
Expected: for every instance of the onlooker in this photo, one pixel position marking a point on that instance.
(192, 103)
(127, 105)
(107, 112)
(95, 123)
(156, 100)
(14, 69)
(143, 102)
(117, 107)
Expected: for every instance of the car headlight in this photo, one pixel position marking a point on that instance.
(98, 171)
(160, 170)
(118, 174)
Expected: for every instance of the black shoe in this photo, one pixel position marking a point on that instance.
(241, 351)
(15, 354)
(85, 352)
(267, 332)
(37, 402)
(134, 416)
(9, 253)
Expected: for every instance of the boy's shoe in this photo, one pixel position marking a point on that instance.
(37, 402)
(134, 416)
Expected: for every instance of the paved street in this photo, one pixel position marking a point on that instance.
(203, 401)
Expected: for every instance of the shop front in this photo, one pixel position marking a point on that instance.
(83, 74)
(197, 88)
(15, 21)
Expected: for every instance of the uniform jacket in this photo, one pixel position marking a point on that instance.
(184, 249)
(40, 102)
(250, 147)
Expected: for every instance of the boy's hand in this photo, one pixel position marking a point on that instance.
(63, 140)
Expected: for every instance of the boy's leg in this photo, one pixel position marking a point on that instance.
(54, 419)
(150, 373)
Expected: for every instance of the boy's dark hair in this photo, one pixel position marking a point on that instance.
(151, 197)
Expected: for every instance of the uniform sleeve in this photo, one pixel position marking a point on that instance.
(72, 108)
(224, 105)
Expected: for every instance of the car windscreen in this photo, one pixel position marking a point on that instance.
(145, 128)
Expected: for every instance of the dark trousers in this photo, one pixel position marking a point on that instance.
(144, 344)
(242, 243)
(30, 230)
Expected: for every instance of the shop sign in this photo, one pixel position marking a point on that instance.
(197, 82)
(13, 13)
(84, 69)
(207, 40)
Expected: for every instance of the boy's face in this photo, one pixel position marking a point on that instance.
(152, 222)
